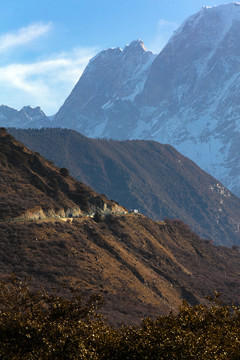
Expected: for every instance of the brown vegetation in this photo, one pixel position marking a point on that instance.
(46, 326)
(141, 267)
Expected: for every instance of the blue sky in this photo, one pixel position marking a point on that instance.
(45, 45)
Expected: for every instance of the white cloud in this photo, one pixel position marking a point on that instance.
(44, 83)
(23, 36)
(165, 30)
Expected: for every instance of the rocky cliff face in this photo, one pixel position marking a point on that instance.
(187, 96)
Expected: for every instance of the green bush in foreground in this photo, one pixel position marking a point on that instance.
(42, 325)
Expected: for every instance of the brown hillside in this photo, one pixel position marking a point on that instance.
(140, 266)
(33, 187)
(152, 177)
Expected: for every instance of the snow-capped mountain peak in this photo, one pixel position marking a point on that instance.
(214, 22)
(110, 82)
(105, 53)
(135, 44)
(32, 111)
(187, 96)
(27, 117)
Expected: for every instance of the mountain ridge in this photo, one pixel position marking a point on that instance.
(152, 177)
(27, 117)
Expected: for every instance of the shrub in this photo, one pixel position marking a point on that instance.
(41, 325)
(98, 217)
(235, 247)
(64, 172)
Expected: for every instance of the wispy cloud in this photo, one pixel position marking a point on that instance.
(45, 83)
(23, 36)
(165, 30)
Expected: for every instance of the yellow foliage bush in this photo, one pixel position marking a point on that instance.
(42, 325)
